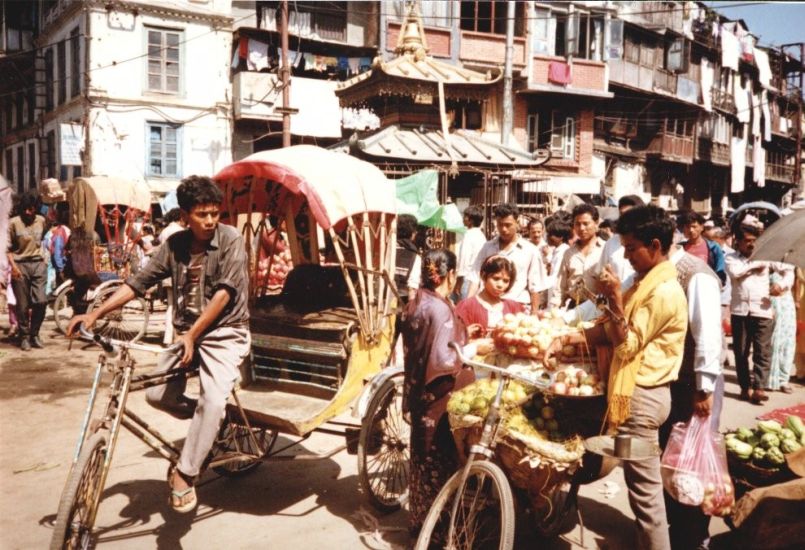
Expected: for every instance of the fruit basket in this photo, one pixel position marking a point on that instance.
(528, 336)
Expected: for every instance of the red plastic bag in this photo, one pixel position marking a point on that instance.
(694, 468)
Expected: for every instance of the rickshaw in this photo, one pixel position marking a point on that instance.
(111, 208)
(319, 346)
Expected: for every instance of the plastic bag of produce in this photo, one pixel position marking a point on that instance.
(694, 468)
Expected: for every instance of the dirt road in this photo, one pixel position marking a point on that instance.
(315, 503)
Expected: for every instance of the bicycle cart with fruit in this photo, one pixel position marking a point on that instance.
(521, 432)
(319, 344)
(113, 209)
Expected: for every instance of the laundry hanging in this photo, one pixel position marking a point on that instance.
(741, 97)
(559, 72)
(706, 77)
(730, 50)
(758, 161)
(763, 68)
(764, 107)
(738, 162)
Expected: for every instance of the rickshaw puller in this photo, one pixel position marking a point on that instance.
(208, 269)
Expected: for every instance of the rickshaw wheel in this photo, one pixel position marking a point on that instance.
(484, 514)
(234, 439)
(383, 454)
(79, 501)
(63, 308)
(128, 323)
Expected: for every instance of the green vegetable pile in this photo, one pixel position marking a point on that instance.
(767, 445)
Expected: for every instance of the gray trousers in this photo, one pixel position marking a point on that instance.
(650, 408)
(218, 355)
(752, 335)
(29, 290)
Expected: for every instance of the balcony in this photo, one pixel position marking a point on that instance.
(329, 27)
(587, 76)
(710, 151)
(665, 81)
(723, 100)
(674, 142)
(781, 167)
(631, 74)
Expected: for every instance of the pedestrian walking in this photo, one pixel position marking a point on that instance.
(784, 337)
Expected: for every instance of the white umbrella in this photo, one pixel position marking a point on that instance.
(783, 241)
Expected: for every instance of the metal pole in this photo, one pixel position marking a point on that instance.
(285, 76)
(508, 108)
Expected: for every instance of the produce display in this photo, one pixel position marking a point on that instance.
(281, 265)
(522, 335)
(766, 445)
(527, 416)
(574, 380)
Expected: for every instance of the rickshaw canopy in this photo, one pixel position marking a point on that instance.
(85, 195)
(334, 185)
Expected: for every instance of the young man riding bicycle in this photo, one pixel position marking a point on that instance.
(208, 268)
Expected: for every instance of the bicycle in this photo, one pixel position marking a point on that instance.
(238, 448)
(476, 506)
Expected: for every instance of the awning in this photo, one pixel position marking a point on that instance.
(259, 96)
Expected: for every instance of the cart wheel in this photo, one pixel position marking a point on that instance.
(82, 493)
(563, 508)
(234, 441)
(383, 448)
(63, 308)
(128, 323)
(484, 512)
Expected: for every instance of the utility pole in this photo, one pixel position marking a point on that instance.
(508, 109)
(285, 76)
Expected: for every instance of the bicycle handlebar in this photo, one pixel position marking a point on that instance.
(543, 384)
(111, 345)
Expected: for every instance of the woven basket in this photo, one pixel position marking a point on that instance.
(754, 476)
(524, 468)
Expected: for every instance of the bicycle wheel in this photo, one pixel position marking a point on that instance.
(562, 508)
(79, 501)
(484, 515)
(234, 440)
(383, 448)
(63, 308)
(128, 323)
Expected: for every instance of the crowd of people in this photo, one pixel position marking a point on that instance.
(675, 289)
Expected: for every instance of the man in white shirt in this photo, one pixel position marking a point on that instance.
(580, 262)
(530, 279)
(559, 233)
(612, 255)
(752, 314)
(468, 249)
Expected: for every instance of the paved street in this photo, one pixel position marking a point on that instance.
(315, 503)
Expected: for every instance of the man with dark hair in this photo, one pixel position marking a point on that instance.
(208, 268)
(752, 313)
(647, 328)
(468, 249)
(559, 233)
(406, 274)
(530, 279)
(536, 230)
(605, 230)
(28, 270)
(580, 262)
(612, 255)
(691, 224)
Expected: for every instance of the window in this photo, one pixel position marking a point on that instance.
(677, 56)
(434, 14)
(75, 63)
(163, 150)
(491, 17)
(163, 60)
(32, 164)
(19, 121)
(31, 105)
(49, 77)
(61, 67)
(466, 116)
(554, 129)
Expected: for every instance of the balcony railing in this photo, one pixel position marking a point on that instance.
(322, 26)
(673, 147)
(710, 151)
(723, 100)
(665, 81)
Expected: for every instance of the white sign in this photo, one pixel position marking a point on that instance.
(72, 144)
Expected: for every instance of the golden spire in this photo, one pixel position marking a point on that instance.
(411, 39)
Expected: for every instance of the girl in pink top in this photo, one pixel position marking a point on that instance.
(486, 309)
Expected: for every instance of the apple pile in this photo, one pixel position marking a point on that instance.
(522, 335)
(280, 266)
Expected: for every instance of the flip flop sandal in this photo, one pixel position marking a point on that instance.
(189, 506)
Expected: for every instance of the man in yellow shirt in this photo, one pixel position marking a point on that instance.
(647, 328)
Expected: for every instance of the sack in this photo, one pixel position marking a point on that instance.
(694, 468)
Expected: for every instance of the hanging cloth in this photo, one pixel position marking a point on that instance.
(764, 107)
(559, 72)
(257, 59)
(748, 48)
(741, 97)
(707, 75)
(756, 115)
(738, 162)
(763, 68)
(758, 161)
(730, 50)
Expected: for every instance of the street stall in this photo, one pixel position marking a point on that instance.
(110, 210)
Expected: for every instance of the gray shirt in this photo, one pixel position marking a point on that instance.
(225, 267)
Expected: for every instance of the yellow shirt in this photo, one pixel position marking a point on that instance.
(656, 334)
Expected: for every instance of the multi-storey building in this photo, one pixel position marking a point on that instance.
(139, 90)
